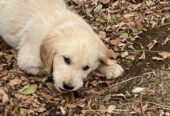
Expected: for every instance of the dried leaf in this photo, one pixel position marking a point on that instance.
(107, 97)
(142, 57)
(124, 36)
(102, 34)
(157, 58)
(166, 40)
(94, 2)
(138, 90)
(102, 108)
(138, 22)
(104, 1)
(41, 109)
(98, 8)
(115, 4)
(15, 82)
(152, 44)
(144, 108)
(124, 54)
(120, 95)
(132, 58)
(5, 97)
(28, 89)
(62, 110)
(111, 108)
(23, 111)
(164, 54)
(115, 42)
(134, 29)
(141, 110)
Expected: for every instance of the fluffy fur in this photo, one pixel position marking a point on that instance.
(49, 37)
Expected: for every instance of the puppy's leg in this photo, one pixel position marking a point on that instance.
(110, 69)
(29, 61)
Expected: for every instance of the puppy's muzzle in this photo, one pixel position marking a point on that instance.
(66, 87)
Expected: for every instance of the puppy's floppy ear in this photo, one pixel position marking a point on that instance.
(106, 60)
(47, 53)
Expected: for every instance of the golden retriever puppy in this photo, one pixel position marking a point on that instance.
(51, 38)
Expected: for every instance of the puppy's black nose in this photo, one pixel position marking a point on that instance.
(67, 86)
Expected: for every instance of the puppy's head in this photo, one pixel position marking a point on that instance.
(71, 60)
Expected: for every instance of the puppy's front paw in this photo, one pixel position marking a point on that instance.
(112, 71)
(35, 71)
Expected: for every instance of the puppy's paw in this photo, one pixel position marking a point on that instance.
(30, 66)
(29, 62)
(35, 71)
(112, 71)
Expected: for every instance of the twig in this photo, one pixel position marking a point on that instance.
(165, 72)
(166, 40)
(114, 111)
(160, 105)
(132, 51)
(130, 79)
(125, 81)
(103, 90)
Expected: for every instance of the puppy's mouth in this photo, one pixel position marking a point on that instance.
(63, 90)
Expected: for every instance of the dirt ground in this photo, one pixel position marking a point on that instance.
(139, 34)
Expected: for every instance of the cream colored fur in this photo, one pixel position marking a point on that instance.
(46, 31)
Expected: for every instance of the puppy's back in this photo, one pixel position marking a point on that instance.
(15, 15)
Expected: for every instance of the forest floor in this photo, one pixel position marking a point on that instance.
(137, 32)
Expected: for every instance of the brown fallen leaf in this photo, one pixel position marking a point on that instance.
(115, 42)
(111, 108)
(29, 100)
(104, 1)
(94, 2)
(46, 96)
(78, 1)
(63, 111)
(152, 44)
(138, 22)
(129, 15)
(124, 54)
(164, 54)
(138, 90)
(130, 57)
(107, 97)
(102, 108)
(41, 109)
(141, 110)
(23, 111)
(20, 96)
(102, 34)
(115, 4)
(143, 56)
(157, 58)
(5, 97)
(15, 82)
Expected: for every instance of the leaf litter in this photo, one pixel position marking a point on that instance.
(120, 25)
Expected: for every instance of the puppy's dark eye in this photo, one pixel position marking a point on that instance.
(85, 68)
(67, 60)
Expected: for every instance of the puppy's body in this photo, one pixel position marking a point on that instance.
(45, 31)
(25, 24)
